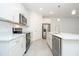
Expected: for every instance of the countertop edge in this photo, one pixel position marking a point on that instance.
(10, 39)
(68, 36)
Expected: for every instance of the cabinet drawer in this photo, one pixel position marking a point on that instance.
(14, 42)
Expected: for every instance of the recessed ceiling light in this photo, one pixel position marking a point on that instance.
(41, 8)
(73, 12)
(50, 12)
(58, 19)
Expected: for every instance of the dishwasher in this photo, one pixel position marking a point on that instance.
(56, 45)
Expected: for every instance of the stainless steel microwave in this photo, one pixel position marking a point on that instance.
(17, 30)
(22, 19)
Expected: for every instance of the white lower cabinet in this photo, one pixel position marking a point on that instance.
(4, 49)
(49, 40)
(16, 47)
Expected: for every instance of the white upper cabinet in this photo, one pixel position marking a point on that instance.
(10, 11)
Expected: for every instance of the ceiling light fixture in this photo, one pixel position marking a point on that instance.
(58, 19)
(73, 12)
(41, 8)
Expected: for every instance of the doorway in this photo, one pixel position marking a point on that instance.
(45, 30)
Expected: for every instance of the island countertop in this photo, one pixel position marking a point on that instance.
(67, 36)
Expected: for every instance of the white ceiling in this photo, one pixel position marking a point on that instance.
(64, 10)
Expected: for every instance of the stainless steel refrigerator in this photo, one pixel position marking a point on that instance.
(45, 29)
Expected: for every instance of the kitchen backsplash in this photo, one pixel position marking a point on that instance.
(6, 27)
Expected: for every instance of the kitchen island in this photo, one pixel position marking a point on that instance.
(65, 44)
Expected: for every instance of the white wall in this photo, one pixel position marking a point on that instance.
(54, 25)
(46, 20)
(35, 26)
(68, 25)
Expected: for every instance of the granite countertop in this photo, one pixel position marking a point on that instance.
(67, 36)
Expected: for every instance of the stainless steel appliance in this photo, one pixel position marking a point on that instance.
(17, 30)
(56, 45)
(45, 29)
(22, 19)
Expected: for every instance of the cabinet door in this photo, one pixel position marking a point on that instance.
(17, 46)
(14, 47)
(23, 44)
(9, 12)
(4, 51)
(49, 40)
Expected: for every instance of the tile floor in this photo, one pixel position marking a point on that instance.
(39, 48)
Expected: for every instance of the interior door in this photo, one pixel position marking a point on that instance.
(45, 29)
